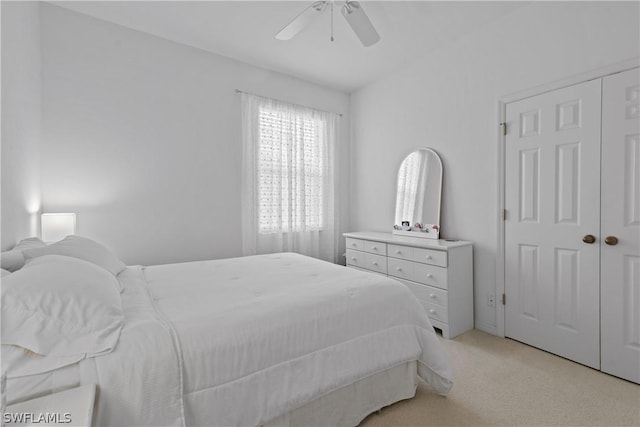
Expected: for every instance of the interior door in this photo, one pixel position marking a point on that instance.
(552, 197)
(620, 271)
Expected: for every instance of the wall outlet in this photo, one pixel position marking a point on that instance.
(491, 300)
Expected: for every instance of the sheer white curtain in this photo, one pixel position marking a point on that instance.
(289, 197)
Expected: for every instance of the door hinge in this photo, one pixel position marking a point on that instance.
(504, 214)
(503, 125)
(504, 299)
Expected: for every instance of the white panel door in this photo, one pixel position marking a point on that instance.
(552, 197)
(620, 271)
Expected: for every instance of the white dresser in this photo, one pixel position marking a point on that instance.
(438, 272)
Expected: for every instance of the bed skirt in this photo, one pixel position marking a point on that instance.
(349, 405)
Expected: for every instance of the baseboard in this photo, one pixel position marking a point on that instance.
(490, 329)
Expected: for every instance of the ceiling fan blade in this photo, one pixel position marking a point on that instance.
(301, 21)
(360, 23)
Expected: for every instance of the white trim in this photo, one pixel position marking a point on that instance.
(499, 290)
(490, 329)
(501, 115)
(572, 80)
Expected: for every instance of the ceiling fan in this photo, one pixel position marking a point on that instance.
(351, 10)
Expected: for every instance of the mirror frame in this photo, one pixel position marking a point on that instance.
(430, 231)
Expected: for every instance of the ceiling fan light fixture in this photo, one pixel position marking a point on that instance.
(360, 23)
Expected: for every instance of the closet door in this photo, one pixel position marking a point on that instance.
(552, 197)
(620, 270)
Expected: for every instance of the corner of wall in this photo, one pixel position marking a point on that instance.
(21, 75)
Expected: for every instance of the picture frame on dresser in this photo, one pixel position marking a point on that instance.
(438, 272)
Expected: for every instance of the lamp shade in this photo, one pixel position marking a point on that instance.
(57, 226)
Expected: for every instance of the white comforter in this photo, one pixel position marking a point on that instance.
(241, 341)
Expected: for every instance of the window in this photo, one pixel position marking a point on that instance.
(289, 195)
(291, 168)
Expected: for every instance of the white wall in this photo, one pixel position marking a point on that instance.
(141, 138)
(21, 117)
(448, 101)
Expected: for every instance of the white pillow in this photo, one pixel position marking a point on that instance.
(83, 248)
(61, 306)
(14, 259)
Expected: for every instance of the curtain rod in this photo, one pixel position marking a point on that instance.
(299, 105)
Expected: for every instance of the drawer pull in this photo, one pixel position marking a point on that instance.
(398, 268)
(374, 263)
(398, 252)
(375, 248)
(429, 276)
(432, 311)
(428, 257)
(354, 244)
(353, 258)
(432, 296)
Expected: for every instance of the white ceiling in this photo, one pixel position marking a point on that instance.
(245, 30)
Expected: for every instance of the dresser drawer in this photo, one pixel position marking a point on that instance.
(402, 252)
(355, 258)
(428, 293)
(368, 271)
(430, 256)
(435, 311)
(400, 268)
(377, 263)
(355, 244)
(375, 248)
(431, 275)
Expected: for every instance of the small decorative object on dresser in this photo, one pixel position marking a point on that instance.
(438, 272)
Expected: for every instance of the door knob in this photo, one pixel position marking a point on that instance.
(611, 240)
(589, 238)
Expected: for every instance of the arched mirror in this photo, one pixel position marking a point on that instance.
(418, 195)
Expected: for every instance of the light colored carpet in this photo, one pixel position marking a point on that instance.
(501, 382)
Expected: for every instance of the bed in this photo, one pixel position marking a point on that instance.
(278, 339)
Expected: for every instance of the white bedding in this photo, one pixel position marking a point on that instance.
(244, 340)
